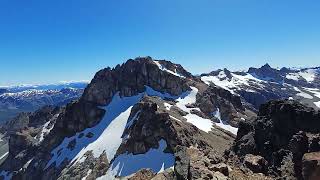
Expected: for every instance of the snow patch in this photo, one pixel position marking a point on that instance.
(88, 173)
(167, 106)
(127, 164)
(175, 118)
(135, 117)
(317, 104)
(161, 67)
(25, 166)
(308, 75)
(225, 83)
(46, 130)
(231, 84)
(315, 92)
(4, 155)
(199, 122)
(109, 130)
(223, 125)
(302, 94)
(293, 76)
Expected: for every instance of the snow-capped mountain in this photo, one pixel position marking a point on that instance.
(52, 86)
(151, 119)
(16, 99)
(259, 85)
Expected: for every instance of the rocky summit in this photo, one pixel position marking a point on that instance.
(152, 119)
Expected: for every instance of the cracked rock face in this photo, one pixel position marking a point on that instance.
(131, 78)
(282, 133)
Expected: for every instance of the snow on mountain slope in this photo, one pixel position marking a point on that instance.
(18, 100)
(127, 164)
(47, 128)
(109, 130)
(199, 122)
(259, 85)
(308, 75)
(163, 68)
(53, 86)
(144, 113)
(234, 83)
(302, 94)
(223, 125)
(112, 126)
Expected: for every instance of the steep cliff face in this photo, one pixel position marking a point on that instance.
(276, 141)
(131, 78)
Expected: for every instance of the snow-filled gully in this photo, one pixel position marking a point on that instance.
(107, 136)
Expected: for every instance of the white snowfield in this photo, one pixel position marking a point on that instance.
(316, 93)
(232, 84)
(308, 75)
(161, 67)
(127, 164)
(317, 104)
(45, 129)
(302, 94)
(199, 122)
(108, 136)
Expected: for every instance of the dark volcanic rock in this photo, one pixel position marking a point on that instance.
(26, 120)
(16, 124)
(266, 73)
(282, 133)
(229, 105)
(78, 116)
(131, 78)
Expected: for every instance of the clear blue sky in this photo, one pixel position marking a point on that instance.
(54, 40)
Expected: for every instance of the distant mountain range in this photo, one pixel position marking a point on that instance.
(28, 98)
(153, 120)
(259, 85)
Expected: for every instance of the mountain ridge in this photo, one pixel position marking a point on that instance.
(140, 110)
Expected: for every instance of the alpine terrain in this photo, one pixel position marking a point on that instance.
(17, 99)
(152, 119)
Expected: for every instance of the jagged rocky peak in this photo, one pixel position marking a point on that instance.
(131, 78)
(266, 72)
(284, 132)
(128, 79)
(25, 120)
(220, 73)
(26, 132)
